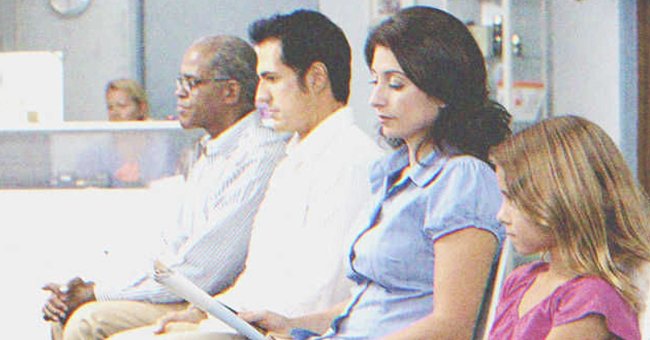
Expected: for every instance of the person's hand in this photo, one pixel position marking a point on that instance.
(269, 321)
(54, 309)
(190, 315)
(79, 292)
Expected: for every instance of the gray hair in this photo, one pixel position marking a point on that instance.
(234, 58)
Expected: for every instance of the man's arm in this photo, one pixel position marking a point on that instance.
(214, 260)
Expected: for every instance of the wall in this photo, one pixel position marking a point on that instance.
(104, 42)
(170, 26)
(97, 46)
(586, 61)
(595, 66)
(7, 24)
(629, 88)
(355, 21)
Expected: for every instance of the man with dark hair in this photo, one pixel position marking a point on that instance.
(306, 38)
(215, 92)
(295, 263)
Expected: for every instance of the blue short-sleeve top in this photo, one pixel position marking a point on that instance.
(392, 258)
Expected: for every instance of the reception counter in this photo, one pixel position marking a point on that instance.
(107, 235)
(64, 214)
(81, 154)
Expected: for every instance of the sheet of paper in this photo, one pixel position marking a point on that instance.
(184, 288)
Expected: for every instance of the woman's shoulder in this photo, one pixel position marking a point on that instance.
(467, 163)
(469, 176)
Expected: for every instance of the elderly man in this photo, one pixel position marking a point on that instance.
(215, 92)
(295, 264)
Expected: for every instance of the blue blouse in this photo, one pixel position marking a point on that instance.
(392, 258)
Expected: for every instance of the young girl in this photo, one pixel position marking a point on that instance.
(568, 194)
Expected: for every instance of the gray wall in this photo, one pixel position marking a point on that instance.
(7, 24)
(629, 82)
(97, 46)
(351, 17)
(587, 61)
(104, 42)
(170, 26)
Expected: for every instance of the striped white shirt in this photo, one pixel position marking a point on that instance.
(223, 191)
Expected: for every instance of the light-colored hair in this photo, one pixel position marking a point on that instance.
(570, 179)
(135, 91)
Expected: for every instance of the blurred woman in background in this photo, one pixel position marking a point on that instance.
(126, 100)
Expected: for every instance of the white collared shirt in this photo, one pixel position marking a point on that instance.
(295, 264)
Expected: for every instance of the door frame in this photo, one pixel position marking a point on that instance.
(643, 127)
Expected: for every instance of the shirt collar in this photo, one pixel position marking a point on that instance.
(421, 174)
(321, 136)
(228, 141)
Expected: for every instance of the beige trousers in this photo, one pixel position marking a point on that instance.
(99, 320)
(175, 331)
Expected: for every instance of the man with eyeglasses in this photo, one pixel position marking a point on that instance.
(297, 249)
(215, 91)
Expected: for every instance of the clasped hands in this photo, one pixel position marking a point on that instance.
(65, 299)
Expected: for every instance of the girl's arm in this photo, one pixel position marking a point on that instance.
(280, 325)
(591, 327)
(462, 265)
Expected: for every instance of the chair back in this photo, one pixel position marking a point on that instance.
(505, 265)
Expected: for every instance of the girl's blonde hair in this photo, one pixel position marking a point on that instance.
(568, 176)
(135, 91)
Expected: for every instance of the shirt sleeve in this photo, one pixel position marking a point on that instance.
(214, 260)
(467, 195)
(592, 295)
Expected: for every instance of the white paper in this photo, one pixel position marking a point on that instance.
(181, 286)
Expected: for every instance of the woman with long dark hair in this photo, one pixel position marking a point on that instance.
(425, 249)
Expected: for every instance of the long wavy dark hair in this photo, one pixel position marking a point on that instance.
(440, 56)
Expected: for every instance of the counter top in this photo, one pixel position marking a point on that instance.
(93, 126)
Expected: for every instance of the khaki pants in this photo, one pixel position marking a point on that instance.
(176, 331)
(99, 320)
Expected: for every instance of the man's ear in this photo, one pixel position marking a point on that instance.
(231, 91)
(316, 78)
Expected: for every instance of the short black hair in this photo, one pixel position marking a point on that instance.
(308, 37)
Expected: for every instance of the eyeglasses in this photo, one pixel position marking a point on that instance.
(190, 83)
